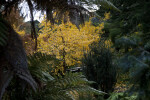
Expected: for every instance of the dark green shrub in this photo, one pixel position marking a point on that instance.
(98, 66)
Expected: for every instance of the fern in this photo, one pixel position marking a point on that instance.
(41, 64)
(67, 87)
(70, 86)
(122, 96)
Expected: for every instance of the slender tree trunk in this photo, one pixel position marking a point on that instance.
(64, 55)
(33, 32)
(64, 60)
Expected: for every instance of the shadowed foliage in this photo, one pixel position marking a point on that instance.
(98, 66)
(130, 33)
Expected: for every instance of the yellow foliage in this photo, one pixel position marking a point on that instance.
(53, 39)
(20, 32)
(67, 39)
(107, 16)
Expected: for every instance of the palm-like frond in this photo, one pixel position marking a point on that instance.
(122, 96)
(67, 87)
(40, 65)
(70, 87)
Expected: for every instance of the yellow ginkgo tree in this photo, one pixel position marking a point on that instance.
(66, 41)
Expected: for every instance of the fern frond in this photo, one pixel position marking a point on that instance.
(122, 96)
(72, 85)
(67, 87)
(41, 64)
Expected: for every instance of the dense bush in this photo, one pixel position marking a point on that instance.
(98, 66)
